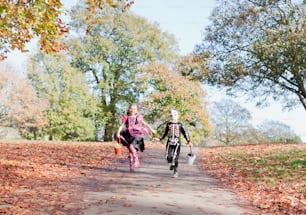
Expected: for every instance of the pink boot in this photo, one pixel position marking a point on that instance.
(136, 160)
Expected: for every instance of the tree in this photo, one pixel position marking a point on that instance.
(194, 66)
(258, 47)
(169, 89)
(276, 132)
(72, 106)
(23, 20)
(110, 55)
(231, 121)
(20, 107)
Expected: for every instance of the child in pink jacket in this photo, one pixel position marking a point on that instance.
(132, 131)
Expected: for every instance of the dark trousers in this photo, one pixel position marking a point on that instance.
(173, 154)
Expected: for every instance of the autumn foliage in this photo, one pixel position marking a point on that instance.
(271, 177)
(47, 178)
(20, 105)
(22, 21)
(176, 91)
(52, 177)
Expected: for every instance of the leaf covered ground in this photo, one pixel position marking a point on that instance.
(47, 178)
(271, 177)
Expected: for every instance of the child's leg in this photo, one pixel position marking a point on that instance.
(134, 154)
(169, 154)
(137, 164)
(176, 159)
(131, 159)
(176, 154)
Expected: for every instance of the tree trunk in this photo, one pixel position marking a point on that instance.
(109, 131)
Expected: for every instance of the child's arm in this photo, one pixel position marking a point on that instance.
(185, 134)
(166, 130)
(123, 124)
(148, 126)
(120, 129)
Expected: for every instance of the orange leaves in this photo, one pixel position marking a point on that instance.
(46, 177)
(27, 19)
(267, 175)
(172, 90)
(40, 18)
(22, 105)
(94, 5)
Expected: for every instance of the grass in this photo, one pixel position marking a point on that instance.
(271, 176)
(286, 165)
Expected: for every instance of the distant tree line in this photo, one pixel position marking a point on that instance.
(232, 126)
(77, 87)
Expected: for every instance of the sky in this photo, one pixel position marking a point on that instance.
(186, 20)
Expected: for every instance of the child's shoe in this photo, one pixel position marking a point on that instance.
(136, 160)
(132, 169)
(175, 175)
(136, 165)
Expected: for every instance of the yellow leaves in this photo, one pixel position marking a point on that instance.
(10, 162)
(38, 18)
(19, 10)
(172, 90)
(111, 3)
(173, 84)
(28, 19)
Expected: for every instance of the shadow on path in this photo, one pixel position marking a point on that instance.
(151, 189)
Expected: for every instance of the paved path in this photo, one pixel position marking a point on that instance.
(152, 190)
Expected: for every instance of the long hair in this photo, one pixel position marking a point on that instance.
(131, 105)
